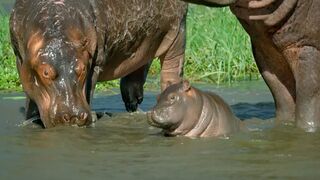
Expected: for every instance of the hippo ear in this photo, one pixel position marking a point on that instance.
(158, 97)
(186, 85)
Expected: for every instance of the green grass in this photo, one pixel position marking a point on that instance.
(217, 51)
(8, 74)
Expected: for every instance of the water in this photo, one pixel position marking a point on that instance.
(126, 147)
(6, 5)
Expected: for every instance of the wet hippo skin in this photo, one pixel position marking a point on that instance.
(63, 47)
(184, 110)
(285, 37)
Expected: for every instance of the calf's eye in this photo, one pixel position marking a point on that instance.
(173, 97)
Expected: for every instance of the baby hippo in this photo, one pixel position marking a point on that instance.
(185, 110)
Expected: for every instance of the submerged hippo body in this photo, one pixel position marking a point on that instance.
(63, 47)
(184, 110)
(285, 37)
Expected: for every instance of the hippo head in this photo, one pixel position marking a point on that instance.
(172, 106)
(54, 69)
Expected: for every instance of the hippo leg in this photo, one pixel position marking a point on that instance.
(31, 108)
(90, 88)
(131, 87)
(173, 59)
(307, 74)
(278, 76)
(32, 112)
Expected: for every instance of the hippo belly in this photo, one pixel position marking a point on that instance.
(123, 63)
(141, 31)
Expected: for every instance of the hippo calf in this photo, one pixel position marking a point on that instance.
(185, 110)
(63, 47)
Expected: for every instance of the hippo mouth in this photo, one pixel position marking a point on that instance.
(151, 121)
(48, 122)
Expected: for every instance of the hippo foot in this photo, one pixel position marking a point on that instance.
(98, 115)
(132, 106)
(132, 95)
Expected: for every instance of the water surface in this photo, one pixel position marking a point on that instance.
(126, 147)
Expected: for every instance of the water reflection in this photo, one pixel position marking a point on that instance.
(125, 147)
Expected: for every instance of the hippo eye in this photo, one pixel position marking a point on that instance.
(48, 72)
(45, 73)
(172, 97)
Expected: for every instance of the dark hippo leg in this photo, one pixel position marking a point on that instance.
(31, 110)
(131, 87)
(278, 75)
(173, 59)
(306, 68)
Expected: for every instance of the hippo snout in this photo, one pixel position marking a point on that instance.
(151, 118)
(156, 118)
(79, 117)
(80, 120)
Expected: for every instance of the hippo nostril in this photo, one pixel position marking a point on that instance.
(82, 119)
(66, 118)
(83, 116)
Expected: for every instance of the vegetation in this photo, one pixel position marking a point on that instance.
(8, 74)
(217, 51)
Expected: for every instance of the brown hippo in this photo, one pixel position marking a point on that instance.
(185, 110)
(63, 47)
(285, 36)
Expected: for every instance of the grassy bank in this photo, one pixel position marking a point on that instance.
(217, 51)
(8, 73)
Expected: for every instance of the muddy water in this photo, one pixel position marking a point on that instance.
(125, 147)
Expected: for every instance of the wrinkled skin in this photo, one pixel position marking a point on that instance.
(285, 37)
(63, 47)
(187, 111)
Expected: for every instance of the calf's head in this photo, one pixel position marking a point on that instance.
(172, 107)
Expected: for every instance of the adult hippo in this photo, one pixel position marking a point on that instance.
(63, 47)
(285, 37)
(187, 111)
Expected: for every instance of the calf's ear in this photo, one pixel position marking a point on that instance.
(186, 85)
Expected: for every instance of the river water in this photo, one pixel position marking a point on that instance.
(126, 147)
